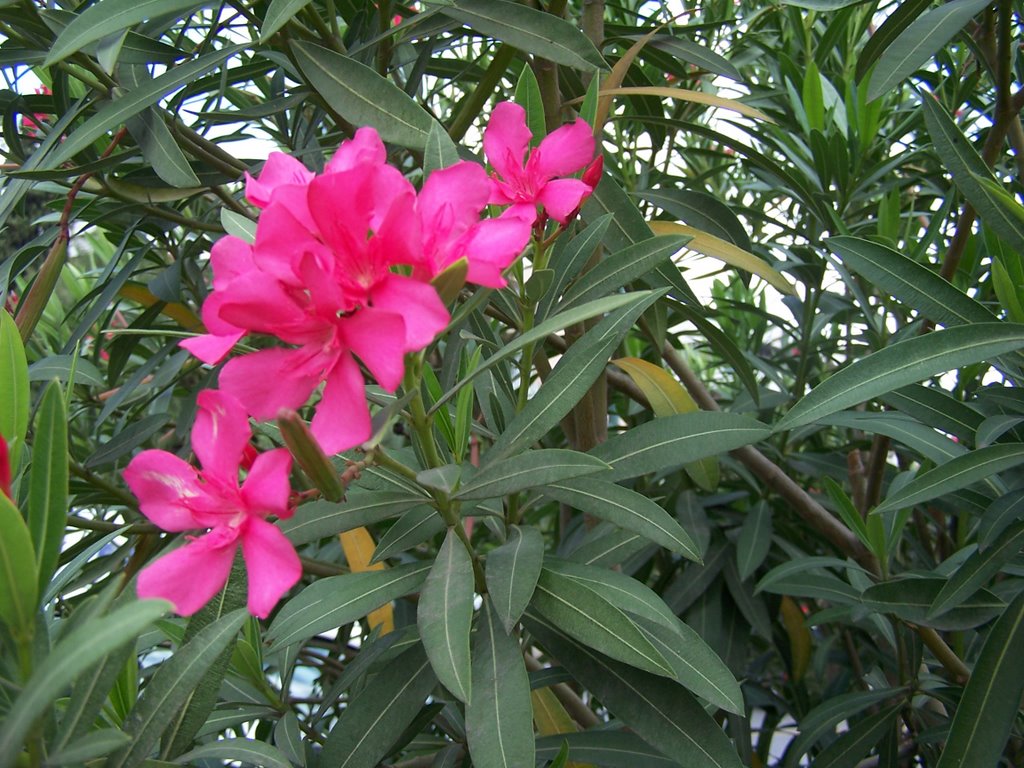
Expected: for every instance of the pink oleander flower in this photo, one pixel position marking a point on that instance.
(177, 497)
(321, 276)
(538, 181)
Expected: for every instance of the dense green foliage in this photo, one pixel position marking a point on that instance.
(718, 522)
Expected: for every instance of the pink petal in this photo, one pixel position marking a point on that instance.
(378, 339)
(342, 418)
(282, 241)
(364, 148)
(452, 198)
(190, 576)
(209, 347)
(563, 196)
(259, 303)
(563, 151)
(266, 487)
(220, 434)
(417, 303)
(272, 566)
(494, 244)
(230, 257)
(269, 380)
(279, 170)
(163, 484)
(506, 138)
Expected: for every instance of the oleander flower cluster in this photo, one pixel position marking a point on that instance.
(336, 281)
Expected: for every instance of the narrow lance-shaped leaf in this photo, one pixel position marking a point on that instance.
(13, 388)
(991, 699)
(279, 13)
(976, 570)
(955, 474)
(528, 29)
(512, 572)
(659, 710)
(916, 44)
(109, 16)
(77, 651)
(445, 614)
(627, 509)
(528, 470)
(332, 602)
(854, 744)
(17, 572)
(363, 97)
(48, 483)
(172, 686)
(372, 721)
(569, 381)
(902, 363)
(499, 718)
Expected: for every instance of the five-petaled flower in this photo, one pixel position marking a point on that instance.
(538, 181)
(177, 497)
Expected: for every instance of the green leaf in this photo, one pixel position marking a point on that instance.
(13, 387)
(499, 718)
(243, 750)
(529, 469)
(445, 614)
(915, 285)
(319, 519)
(916, 44)
(415, 526)
(591, 618)
(676, 440)
(615, 749)
(48, 483)
(528, 96)
(660, 711)
(106, 17)
(902, 363)
(371, 721)
(937, 409)
(700, 210)
(755, 540)
(530, 30)
(118, 111)
(957, 473)
(889, 30)
(991, 699)
(568, 258)
(1000, 514)
(621, 268)
(65, 368)
(968, 170)
(171, 687)
(279, 13)
(823, 719)
(687, 50)
(439, 151)
(912, 598)
(976, 570)
(363, 97)
(542, 331)
(338, 600)
(78, 650)
(512, 572)
(848, 749)
(161, 151)
(18, 571)
(627, 509)
(92, 745)
(569, 381)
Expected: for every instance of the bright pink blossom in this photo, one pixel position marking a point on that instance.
(540, 180)
(177, 497)
(325, 276)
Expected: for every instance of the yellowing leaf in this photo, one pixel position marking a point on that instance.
(799, 636)
(723, 250)
(551, 718)
(682, 94)
(358, 545)
(181, 314)
(667, 398)
(616, 76)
